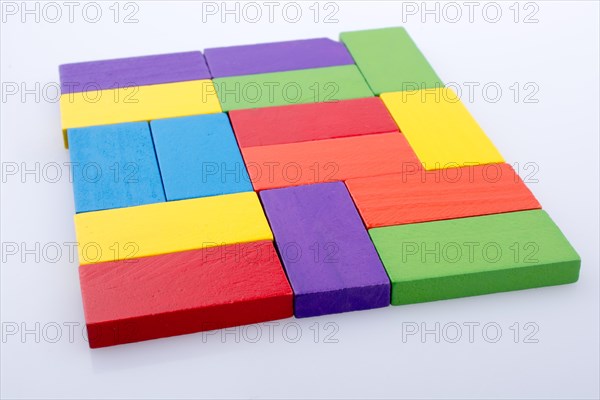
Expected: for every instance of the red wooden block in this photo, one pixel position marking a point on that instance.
(315, 121)
(178, 293)
(330, 160)
(442, 194)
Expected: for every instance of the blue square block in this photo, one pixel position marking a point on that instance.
(198, 156)
(114, 166)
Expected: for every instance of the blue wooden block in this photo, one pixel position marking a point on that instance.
(198, 156)
(114, 166)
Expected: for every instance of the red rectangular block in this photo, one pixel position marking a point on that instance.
(422, 196)
(178, 293)
(330, 160)
(315, 121)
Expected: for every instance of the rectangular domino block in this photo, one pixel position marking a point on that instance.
(140, 103)
(329, 259)
(313, 121)
(330, 160)
(473, 256)
(440, 129)
(390, 60)
(114, 166)
(134, 232)
(437, 195)
(199, 156)
(180, 293)
(291, 87)
(276, 57)
(133, 71)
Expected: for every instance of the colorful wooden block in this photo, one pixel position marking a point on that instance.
(440, 129)
(134, 232)
(330, 160)
(276, 57)
(291, 87)
(139, 103)
(180, 293)
(168, 165)
(114, 166)
(422, 196)
(313, 121)
(133, 71)
(473, 256)
(390, 60)
(199, 156)
(329, 259)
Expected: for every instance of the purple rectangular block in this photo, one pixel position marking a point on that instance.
(276, 57)
(326, 251)
(133, 71)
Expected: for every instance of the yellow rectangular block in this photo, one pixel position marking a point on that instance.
(440, 129)
(137, 103)
(133, 232)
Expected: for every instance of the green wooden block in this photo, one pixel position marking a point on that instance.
(472, 256)
(390, 61)
(291, 87)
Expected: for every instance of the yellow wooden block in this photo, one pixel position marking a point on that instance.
(440, 129)
(160, 228)
(138, 103)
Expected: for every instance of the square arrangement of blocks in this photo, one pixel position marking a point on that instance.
(260, 182)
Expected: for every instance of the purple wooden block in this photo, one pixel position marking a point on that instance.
(133, 71)
(276, 57)
(326, 251)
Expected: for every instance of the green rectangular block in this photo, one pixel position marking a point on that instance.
(473, 256)
(291, 87)
(390, 61)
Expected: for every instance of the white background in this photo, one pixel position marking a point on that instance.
(559, 134)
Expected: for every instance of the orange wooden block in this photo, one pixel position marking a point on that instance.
(442, 194)
(303, 163)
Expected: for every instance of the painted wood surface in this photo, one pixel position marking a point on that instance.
(473, 256)
(307, 122)
(133, 71)
(292, 87)
(114, 166)
(276, 57)
(424, 196)
(134, 232)
(199, 156)
(138, 103)
(295, 164)
(440, 129)
(179, 293)
(390, 60)
(329, 259)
